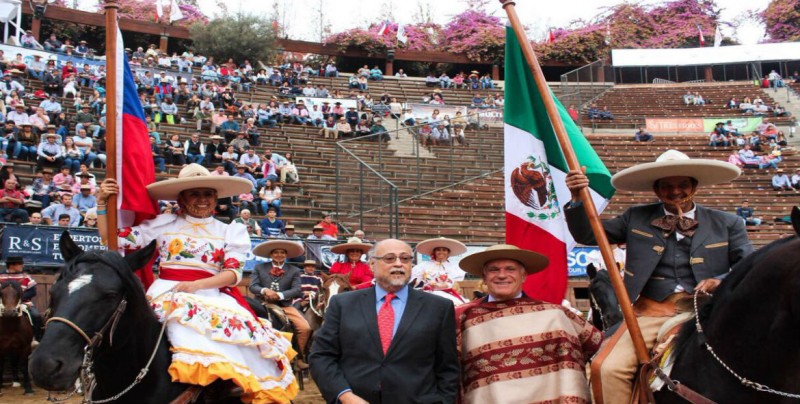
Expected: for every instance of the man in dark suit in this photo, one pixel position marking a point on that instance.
(279, 283)
(675, 247)
(389, 343)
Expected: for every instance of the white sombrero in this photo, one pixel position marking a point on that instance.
(265, 249)
(353, 243)
(532, 261)
(673, 163)
(196, 176)
(427, 246)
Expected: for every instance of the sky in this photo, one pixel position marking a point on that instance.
(537, 15)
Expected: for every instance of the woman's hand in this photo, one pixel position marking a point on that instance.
(188, 287)
(107, 188)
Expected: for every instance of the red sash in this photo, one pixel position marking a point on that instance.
(182, 275)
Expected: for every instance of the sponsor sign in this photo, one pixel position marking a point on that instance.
(746, 124)
(39, 245)
(674, 125)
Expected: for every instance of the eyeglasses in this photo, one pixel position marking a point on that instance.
(391, 258)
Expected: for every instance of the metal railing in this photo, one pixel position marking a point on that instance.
(584, 84)
(383, 179)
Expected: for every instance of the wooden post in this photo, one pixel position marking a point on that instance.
(709, 74)
(111, 118)
(495, 72)
(389, 71)
(162, 45)
(572, 161)
(36, 27)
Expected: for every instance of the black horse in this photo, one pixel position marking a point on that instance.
(753, 325)
(87, 292)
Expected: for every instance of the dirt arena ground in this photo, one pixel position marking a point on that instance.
(13, 395)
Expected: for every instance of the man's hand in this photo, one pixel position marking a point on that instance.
(708, 285)
(270, 295)
(576, 180)
(350, 398)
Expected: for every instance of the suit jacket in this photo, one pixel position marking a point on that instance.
(289, 283)
(421, 365)
(719, 241)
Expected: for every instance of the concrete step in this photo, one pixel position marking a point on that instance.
(403, 143)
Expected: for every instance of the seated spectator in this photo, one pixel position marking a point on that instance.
(431, 80)
(84, 201)
(53, 212)
(43, 188)
(400, 73)
(52, 44)
(735, 159)
(270, 195)
(245, 218)
(375, 74)
(606, 115)
(779, 110)
(173, 151)
(158, 156)
(730, 129)
(732, 103)
(477, 101)
(49, 153)
(573, 113)
(781, 181)
(746, 213)
(168, 110)
(362, 129)
(445, 81)
(408, 118)
(717, 136)
(486, 82)
(343, 128)
(289, 170)
(329, 227)
(194, 149)
(458, 134)
(440, 136)
(775, 80)
(698, 99)
(331, 70)
(796, 179)
(688, 98)
(271, 226)
(458, 81)
(642, 135)
(593, 112)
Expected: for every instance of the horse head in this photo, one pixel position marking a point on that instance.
(332, 285)
(11, 295)
(88, 291)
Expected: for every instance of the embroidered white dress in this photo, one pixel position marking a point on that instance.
(212, 336)
(440, 279)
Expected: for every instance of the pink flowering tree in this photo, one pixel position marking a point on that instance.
(782, 20)
(477, 35)
(145, 10)
(423, 37)
(369, 40)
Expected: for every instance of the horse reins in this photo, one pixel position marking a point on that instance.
(743, 380)
(87, 376)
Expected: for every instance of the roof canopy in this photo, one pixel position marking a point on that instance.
(706, 56)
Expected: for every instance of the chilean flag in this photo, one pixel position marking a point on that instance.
(135, 168)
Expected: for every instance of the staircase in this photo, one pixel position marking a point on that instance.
(790, 100)
(403, 143)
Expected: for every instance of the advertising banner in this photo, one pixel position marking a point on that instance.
(743, 124)
(679, 125)
(489, 116)
(310, 101)
(422, 112)
(39, 245)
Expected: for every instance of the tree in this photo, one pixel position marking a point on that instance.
(782, 20)
(145, 10)
(477, 35)
(239, 36)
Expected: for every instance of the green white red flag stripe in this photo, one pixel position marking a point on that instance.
(535, 170)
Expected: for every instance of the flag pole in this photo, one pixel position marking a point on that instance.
(111, 118)
(572, 162)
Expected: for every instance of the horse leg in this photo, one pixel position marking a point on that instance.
(15, 371)
(26, 377)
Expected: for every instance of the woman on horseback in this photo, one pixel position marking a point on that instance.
(359, 271)
(213, 332)
(439, 275)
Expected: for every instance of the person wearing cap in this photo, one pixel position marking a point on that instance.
(318, 233)
(796, 179)
(278, 283)
(439, 275)
(49, 153)
(82, 49)
(35, 67)
(388, 343)
(781, 181)
(15, 272)
(675, 247)
(12, 203)
(201, 261)
(18, 115)
(544, 336)
(214, 151)
(43, 188)
(358, 271)
(84, 198)
(310, 284)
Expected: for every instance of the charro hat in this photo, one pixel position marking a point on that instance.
(196, 176)
(532, 261)
(427, 246)
(265, 249)
(14, 259)
(353, 243)
(673, 163)
(216, 137)
(288, 227)
(309, 262)
(318, 227)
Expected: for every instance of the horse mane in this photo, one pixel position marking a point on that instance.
(134, 291)
(724, 292)
(14, 284)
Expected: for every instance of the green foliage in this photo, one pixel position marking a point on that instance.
(239, 36)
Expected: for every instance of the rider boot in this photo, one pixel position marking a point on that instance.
(36, 322)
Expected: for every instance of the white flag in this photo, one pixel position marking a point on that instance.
(401, 34)
(175, 13)
(159, 10)
(717, 37)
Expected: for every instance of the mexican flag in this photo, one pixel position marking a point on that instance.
(535, 171)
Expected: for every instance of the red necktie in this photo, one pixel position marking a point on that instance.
(276, 271)
(386, 322)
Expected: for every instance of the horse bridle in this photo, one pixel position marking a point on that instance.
(87, 377)
(694, 397)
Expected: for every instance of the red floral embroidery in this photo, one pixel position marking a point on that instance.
(204, 259)
(124, 232)
(227, 332)
(218, 256)
(235, 324)
(231, 263)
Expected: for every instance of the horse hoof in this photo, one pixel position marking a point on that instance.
(15, 384)
(28, 392)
